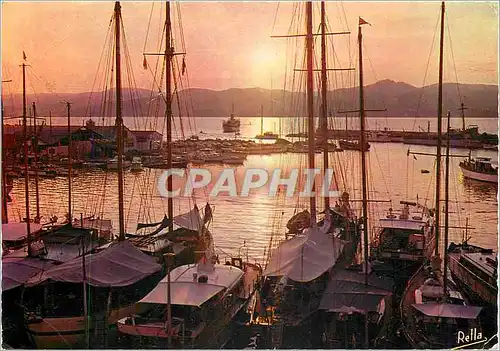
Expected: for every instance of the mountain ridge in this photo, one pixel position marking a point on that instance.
(399, 98)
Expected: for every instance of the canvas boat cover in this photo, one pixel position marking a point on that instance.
(447, 310)
(121, 264)
(186, 290)
(191, 220)
(346, 292)
(18, 270)
(305, 257)
(17, 231)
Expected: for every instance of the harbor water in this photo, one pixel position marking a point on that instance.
(252, 220)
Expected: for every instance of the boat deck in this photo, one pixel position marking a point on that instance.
(480, 260)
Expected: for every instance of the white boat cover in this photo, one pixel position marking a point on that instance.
(191, 220)
(447, 310)
(346, 292)
(18, 270)
(121, 264)
(186, 290)
(17, 231)
(305, 257)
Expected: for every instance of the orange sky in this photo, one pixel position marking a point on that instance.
(229, 44)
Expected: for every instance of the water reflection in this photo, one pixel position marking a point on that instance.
(480, 190)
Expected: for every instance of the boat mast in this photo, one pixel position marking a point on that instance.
(70, 162)
(439, 133)
(26, 174)
(462, 114)
(169, 52)
(363, 166)
(324, 116)
(168, 81)
(5, 215)
(446, 200)
(119, 121)
(35, 153)
(310, 102)
(261, 119)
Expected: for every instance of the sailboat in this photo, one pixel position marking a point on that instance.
(353, 298)
(87, 294)
(21, 249)
(265, 135)
(433, 312)
(186, 233)
(299, 267)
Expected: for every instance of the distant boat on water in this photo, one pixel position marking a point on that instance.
(231, 125)
(265, 135)
(480, 169)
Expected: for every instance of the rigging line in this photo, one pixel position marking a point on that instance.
(275, 17)
(106, 38)
(426, 71)
(453, 57)
(407, 176)
(149, 25)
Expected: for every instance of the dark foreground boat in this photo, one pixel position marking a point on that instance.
(349, 298)
(15, 273)
(432, 319)
(474, 270)
(112, 280)
(203, 299)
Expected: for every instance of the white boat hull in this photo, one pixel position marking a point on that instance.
(490, 178)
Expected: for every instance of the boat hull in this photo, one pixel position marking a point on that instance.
(484, 177)
(69, 332)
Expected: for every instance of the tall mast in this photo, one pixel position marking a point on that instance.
(462, 114)
(310, 102)
(119, 121)
(5, 215)
(439, 135)
(70, 162)
(363, 166)
(35, 153)
(446, 200)
(169, 52)
(168, 81)
(26, 174)
(261, 119)
(324, 116)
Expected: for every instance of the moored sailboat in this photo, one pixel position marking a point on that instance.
(432, 311)
(87, 294)
(353, 299)
(298, 269)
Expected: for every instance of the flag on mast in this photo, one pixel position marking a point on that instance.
(183, 66)
(24, 56)
(362, 21)
(144, 63)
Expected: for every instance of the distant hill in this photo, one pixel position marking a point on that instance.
(400, 99)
